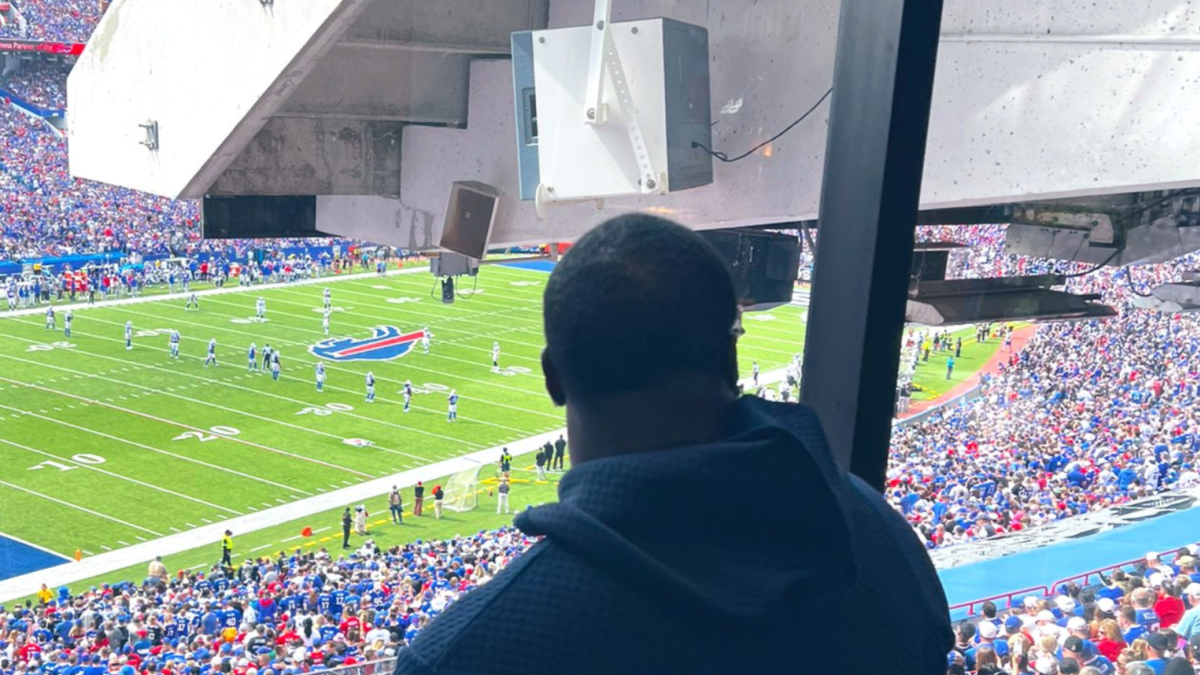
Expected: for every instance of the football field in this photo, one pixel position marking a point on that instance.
(104, 447)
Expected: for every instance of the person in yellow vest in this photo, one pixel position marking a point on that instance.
(227, 548)
(45, 595)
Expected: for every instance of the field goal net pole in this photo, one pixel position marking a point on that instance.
(462, 489)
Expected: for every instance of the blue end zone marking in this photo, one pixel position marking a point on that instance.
(17, 558)
(535, 265)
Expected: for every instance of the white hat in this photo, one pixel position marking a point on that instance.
(1107, 605)
(987, 630)
(1151, 556)
(1076, 623)
(1045, 615)
(1046, 666)
(1193, 590)
(1156, 580)
(1065, 603)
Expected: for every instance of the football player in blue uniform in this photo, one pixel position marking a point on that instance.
(320, 376)
(452, 406)
(252, 357)
(50, 319)
(408, 394)
(174, 354)
(212, 353)
(128, 335)
(275, 366)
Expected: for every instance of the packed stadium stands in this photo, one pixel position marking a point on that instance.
(1086, 416)
(287, 614)
(59, 20)
(40, 83)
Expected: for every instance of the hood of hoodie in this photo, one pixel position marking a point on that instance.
(729, 528)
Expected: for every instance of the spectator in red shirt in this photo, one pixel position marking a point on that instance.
(1111, 642)
(1169, 606)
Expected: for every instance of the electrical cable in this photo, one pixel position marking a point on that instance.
(1133, 289)
(728, 160)
(1097, 267)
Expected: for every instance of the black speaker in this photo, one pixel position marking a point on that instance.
(469, 218)
(448, 290)
(258, 217)
(764, 265)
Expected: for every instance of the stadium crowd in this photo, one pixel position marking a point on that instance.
(41, 83)
(1087, 415)
(284, 615)
(1141, 621)
(59, 20)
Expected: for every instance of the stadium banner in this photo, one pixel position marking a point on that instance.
(30, 46)
(5, 6)
(231, 255)
(31, 108)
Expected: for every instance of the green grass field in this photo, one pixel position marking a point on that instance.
(105, 447)
(931, 376)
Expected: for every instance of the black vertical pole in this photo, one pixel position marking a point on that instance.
(879, 119)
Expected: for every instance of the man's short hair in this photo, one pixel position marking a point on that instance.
(638, 300)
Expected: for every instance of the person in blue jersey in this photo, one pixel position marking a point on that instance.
(252, 358)
(50, 325)
(128, 335)
(320, 376)
(655, 419)
(68, 319)
(1143, 605)
(173, 345)
(408, 394)
(211, 358)
(275, 365)
(452, 406)
(370, 387)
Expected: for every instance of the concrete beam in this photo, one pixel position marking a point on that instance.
(292, 156)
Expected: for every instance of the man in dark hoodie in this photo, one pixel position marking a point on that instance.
(641, 570)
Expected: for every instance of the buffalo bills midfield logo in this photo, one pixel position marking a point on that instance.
(385, 344)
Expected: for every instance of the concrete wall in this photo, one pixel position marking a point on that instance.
(1099, 104)
(211, 72)
(1032, 100)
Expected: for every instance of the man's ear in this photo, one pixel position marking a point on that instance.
(731, 364)
(553, 382)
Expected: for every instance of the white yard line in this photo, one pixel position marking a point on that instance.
(104, 563)
(260, 392)
(114, 475)
(234, 411)
(79, 508)
(235, 439)
(185, 458)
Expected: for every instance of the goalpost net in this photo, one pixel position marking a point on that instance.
(462, 489)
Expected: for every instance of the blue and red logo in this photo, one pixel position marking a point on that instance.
(386, 344)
